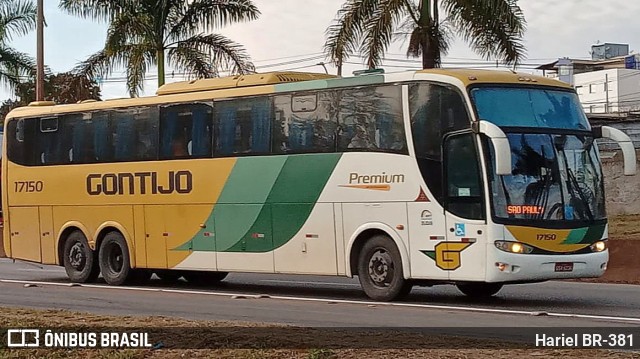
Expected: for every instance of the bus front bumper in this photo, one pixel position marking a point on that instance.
(510, 267)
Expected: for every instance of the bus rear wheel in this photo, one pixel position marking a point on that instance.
(380, 270)
(79, 261)
(479, 290)
(115, 263)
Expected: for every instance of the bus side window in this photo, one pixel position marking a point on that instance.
(244, 126)
(52, 144)
(464, 186)
(136, 137)
(185, 131)
(103, 141)
(304, 123)
(21, 140)
(371, 119)
(124, 136)
(79, 128)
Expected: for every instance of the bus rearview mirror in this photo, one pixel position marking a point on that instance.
(626, 146)
(501, 146)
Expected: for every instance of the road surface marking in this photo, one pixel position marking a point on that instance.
(341, 301)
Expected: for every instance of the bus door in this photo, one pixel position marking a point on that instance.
(464, 256)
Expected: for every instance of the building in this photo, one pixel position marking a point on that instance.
(608, 82)
(606, 91)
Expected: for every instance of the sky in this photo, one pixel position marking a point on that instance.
(292, 32)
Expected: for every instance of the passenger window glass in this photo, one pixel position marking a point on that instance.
(305, 123)
(135, 134)
(371, 118)
(21, 146)
(464, 187)
(186, 131)
(80, 128)
(244, 126)
(54, 143)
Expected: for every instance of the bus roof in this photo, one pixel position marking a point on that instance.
(474, 76)
(269, 83)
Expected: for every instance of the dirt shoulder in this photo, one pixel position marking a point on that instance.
(264, 344)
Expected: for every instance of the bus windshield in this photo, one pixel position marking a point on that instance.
(529, 107)
(554, 177)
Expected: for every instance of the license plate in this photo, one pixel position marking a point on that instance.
(564, 267)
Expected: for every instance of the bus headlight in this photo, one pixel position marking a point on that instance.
(599, 246)
(513, 247)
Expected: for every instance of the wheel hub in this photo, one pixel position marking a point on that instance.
(116, 260)
(76, 256)
(381, 268)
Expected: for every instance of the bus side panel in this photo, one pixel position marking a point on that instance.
(384, 216)
(313, 249)
(47, 236)
(155, 241)
(25, 233)
(140, 240)
(244, 247)
(95, 217)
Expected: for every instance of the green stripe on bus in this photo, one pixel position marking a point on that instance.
(240, 203)
(264, 203)
(575, 236)
(594, 234)
(290, 202)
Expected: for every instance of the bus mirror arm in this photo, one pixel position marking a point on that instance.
(500, 143)
(625, 143)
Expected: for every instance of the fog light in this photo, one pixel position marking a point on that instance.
(603, 266)
(599, 246)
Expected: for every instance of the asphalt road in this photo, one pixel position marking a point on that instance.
(327, 301)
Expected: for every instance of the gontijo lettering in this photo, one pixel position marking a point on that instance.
(139, 183)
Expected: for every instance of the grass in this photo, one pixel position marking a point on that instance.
(17, 318)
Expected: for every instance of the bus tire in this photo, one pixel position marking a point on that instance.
(479, 290)
(380, 270)
(80, 262)
(201, 278)
(113, 256)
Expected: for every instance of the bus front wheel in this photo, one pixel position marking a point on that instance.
(380, 270)
(115, 264)
(479, 290)
(79, 261)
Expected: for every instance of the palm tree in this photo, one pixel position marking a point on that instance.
(143, 33)
(17, 18)
(491, 27)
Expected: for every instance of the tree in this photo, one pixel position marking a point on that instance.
(143, 33)
(64, 88)
(491, 27)
(17, 18)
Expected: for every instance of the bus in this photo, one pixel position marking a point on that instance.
(465, 177)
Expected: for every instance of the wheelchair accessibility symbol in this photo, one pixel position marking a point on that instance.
(460, 232)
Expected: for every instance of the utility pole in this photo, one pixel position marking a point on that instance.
(40, 52)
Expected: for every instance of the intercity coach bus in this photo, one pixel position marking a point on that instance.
(464, 177)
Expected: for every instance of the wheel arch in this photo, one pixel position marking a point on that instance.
(111, 226)
(362, 234)
(64, 233)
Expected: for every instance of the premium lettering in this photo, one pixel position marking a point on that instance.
(383, 178)
(112, 184)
